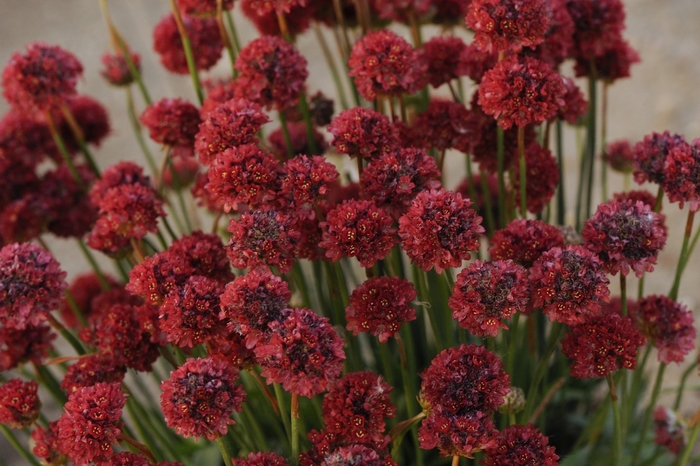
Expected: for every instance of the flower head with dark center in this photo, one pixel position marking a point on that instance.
(444, 125)
(597, 23)
(668, 325)
(524, 241)
(519, 445)
(305, 180)
(456, 434)
(651, 153)
(362, 132)
(614, 63)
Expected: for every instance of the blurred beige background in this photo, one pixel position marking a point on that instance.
(661, 95)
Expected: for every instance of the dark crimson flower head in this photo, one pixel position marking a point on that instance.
(321, 108)
(558, 40)
(200, 397)
(503, 26)
(92, 369)
(620, 156)
(569, 284)
(597, 23)
(639, 195)
(17, 346)
(575, 104)
(682, 175)
(218, 91)
(541, 179)
(474, 62)
(204, 37)
(173, 122)
(304, 353)
(154, 278)
(264, 458)
(384, 64)
(358, 229)
(486, 293)
(612, 64)
(202, 7)
(116, 70)
(668, 325)
(92, 118)
(305, 180)
(204, 253)
(444, 125)
(444, 55)
(519, 445)
(71, 213)
(457, 434)
(380, 306)
(46, 444)
(120, 173)
(440, 229)
(361, 132)
(521, 91)
(31, 285)
(19, 403)
(277, 6)
(400, 10)
(450, 12)
(650, 155)
(91, 423)
(298, 18)
(26, 141)
(41, 79)
(669, 430)
(524, 241)
(272, 73)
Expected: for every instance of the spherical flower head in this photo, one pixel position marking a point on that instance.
(24, 219)
(263, 458)
(504, 26)
(202, 7)
(31, 285)
(638, 195)
(559, 38)
(444, 58)
(384, 64)
(116, 69)
(597, 23)
(305, 180)
(355, 409)
(173, 122)
(356, 454)
(444, 125)
(456, 434)
(46, 444)
(271, 73)
(25, 141)
(440, 229)
(304, 353)
(263, 236)
(154, 278)
(116, 175)
(669, 430)
(626, 235)
(650, 155)
(524, 241)
(205, 40)
(200, 397)
(19, 403)
(181, 170)
(298, 18)
(321, 108)
(682, 175)
(486, 293)
(299, 141)
(521, 92)
(91, 423)
(245, 174)
(380, 306)
(394, 179)
(233, 123)
(464, 379)
(569, 284)
(620, 156)
(30, 344)
(41, 79)
(601, 345)
(358, 229)
(450, 13)
(205, 253)
(251, 302)
(474, 62)
(92, 119)
(613, 64)
(362, 132)
(400, 10)
(92, 369)
(575, 104)
(278, 6)
(541, 178)
(668, 325)
(70, 211)
(519, 445)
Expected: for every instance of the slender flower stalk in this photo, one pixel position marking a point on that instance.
(187, 45)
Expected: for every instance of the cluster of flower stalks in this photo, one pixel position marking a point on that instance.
(295, 282)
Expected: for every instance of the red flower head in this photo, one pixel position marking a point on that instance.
(444, 57)
(91, 423)
(321, 108)
(682, 175)
(440, 230)
(613, 64)
(31, 285)
(394, 179)
(444, 125)
(650, 155)
(524, 241)
(189, 315)
(450, 12)
(121, 173)
(158, 275)
(92, 369)
(41, 79)
(361, 132)
(265, 458)
(299, 141)
(521, 446)
(231, 123)
(457, 435)
(575, 104)
(24, 141)
(355, 409)
(71, 213)
(278, 6)
(204, 37)
(597, 23)
(19, 403)
(32, 343)
(245, 174)
(91, 116)
(384, 64)
(400, 10)
(601, 345)
(668, 325)
(173, 122)
(305, 180)
(304, 353)
(298, 18)
(272, 73)
(620, 156)
(202, 7)
(263, 236)
(486, 293)
(504, 26)
(558, 40)
(521, 92)
(474, 62)
(626, 235)
(669, 431)
(205, 253)
(116, 70)
(200, 397)
(252, 302)
(645, 197)
(356, 454)
(358, 229)
(541, 179)
(46, 445)
(380, 306)
(569, 284)
(218, 92)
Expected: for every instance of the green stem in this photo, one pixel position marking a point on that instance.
(561, 191)
(500, 150)
(591, 142)
(69, 337)
(636, 386)
(10, 436)
(189, 55)
(104, 284)
(682, 258)
(136, 127)
(510, 359)
(554, 333)
(689, 447)
(280, 395)
(77, 312)
(523, 172)
(306, 115)
(408, 376)
(295, 429)
(617, 422)
(285, 133)
(419, 279)
(234, 35)
(331, 65)
(144, 434)
(603, 140)
(648, 412)
(225, 449)
(64, 151)
(681, 388)
(623, 293)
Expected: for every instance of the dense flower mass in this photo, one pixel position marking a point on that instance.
(668, 325)
(30, 344)
(682, 175)
(440, 230)
(457, 435)
(669, 431)
(502, 26)
(444, 125)
(19, 403)
(524, 241)
(444, 58)
(46, 444)
(626, 235)
(204, 37)
(265, 458)
(380, 306)
(486, 293)
(200, 397)
(650, 155)
(361, 132)
(620, 156)
(305, 180)
(597, 23)
(31, 285)
(173, 122)
(116, 68)
(202, 7)
(92, 369)
(519, 445)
